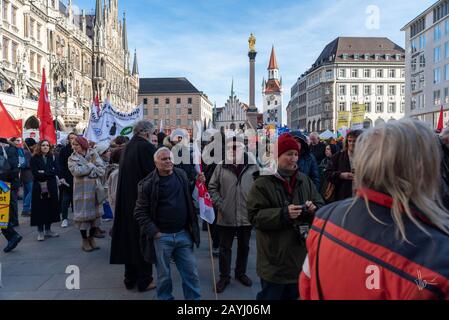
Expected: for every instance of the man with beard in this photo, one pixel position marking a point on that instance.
(136, 163)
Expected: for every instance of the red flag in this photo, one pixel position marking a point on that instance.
(97, 104)
(440, 125)
(47, 128)
(8, 129)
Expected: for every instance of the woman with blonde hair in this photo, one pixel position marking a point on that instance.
(391, 241)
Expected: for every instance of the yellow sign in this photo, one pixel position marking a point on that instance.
(343, 119)
(5, 198)
(358, 116)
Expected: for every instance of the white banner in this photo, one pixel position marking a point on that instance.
(111, 123)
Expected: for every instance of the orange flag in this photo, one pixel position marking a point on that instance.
(47, 128)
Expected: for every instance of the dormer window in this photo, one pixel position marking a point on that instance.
(356, 56)
(345, 56)
(387, 57)
(398, 57)
(366, 56)
(376, 56)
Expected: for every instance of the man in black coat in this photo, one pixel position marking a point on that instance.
(136, 163)
(9, 172)
(67, 187)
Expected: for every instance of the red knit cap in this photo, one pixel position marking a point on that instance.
(286, 143)
(82, 142)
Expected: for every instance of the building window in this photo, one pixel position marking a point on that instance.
(422, 61)
(436, 55)
(5, 10)
(178, 122)
(422, 41)
(269, 102)
(355, 73)
(145, 112)
(156, 100)
(32, 28)
(6, 49)
(380, 73)
(402, 107)
(447, 27)
(178, 100)
(167, 111)
(14, 47)
(392, 73)
(446, 49)
(342, 73)
(437, 33)
(276, 103)
(167, 101)
(189, 122)
(368, 107)
(380, 90)
(392, 107)
(402, 90)
(436, 97)
(156, 111)
(167, 122)
(379, 107)
(367, 73)
(402, 73)
(189, 101)
(39, 65)
(367, 90)
(342, 90)
(14, 16)
(355, 90)
(38, 30)
(446, 72)
(436, 75)
(178, 111)
(446, 95)
(145, 101)
(392, 90)
(189, 111)
(32, 61)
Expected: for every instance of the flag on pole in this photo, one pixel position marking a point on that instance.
(46, 128)
(205, 205)
(440, 125)
(9, 127)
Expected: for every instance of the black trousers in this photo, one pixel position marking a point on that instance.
(227, 235)
(140, 273)
(14, 207)
(275, 291)
(66, 201)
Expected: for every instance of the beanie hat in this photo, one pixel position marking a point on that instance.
(30, 142)
(83, 142)
(286, 143)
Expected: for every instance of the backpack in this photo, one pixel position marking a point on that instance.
(5, 167)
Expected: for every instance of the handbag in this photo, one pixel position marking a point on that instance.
(329, 192)
(100, 192)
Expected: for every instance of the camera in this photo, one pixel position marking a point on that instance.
(306, 216)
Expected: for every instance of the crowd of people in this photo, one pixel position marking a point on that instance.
(328, 212)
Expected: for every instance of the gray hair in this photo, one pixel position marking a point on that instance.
(143, 126)
(314, 134)
(445, 133)
(159, 151)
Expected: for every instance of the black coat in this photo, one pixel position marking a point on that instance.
(339, 164)
(146, 212)
(445, 175)
(63, 158)
(44, 207)
(136, 163)
(318, 151)
(13, 175)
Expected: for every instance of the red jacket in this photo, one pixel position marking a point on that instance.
(362, 259)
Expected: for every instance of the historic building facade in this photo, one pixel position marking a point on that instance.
(272, 94)
(83, 55)
(233, 115)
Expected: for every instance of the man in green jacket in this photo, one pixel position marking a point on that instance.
(281, 208)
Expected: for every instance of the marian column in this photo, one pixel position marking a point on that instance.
(252, 110)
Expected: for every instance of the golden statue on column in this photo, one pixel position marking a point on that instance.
(252, 43)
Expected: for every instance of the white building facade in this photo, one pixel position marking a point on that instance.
(427, 64)
(233, 115)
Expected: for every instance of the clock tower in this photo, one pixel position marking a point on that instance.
(272, 94)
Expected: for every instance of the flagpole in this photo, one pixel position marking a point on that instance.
(212, 261)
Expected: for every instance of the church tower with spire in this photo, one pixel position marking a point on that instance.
(272, 94)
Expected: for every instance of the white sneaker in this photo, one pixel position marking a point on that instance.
(65, 223)
(40, 236)
(51, 234)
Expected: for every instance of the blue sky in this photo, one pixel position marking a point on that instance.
(206, 40)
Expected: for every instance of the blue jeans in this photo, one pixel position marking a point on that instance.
(27, 196)
(180, 247)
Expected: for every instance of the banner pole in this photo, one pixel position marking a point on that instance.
(212, 261)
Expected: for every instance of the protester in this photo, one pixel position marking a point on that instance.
(160, 139)
(444, 142)
(229, 188)
(331, 150)
(340, 171)
(87, 169)
(281, 208)
(136, 163)
(112, 174)
(391, 242)
(154, 141)
(45, 198)
(118, 142)
(104, 151)
(317, 148)
(26, 177)
(17, 156)
(66, 187)
(307, 163)
(8, 171)
(168, 222)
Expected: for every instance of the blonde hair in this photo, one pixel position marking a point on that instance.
(402, 159)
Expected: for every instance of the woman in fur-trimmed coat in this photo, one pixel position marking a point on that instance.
(87, 168)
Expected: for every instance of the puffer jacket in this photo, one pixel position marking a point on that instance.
(280, 252)
(360, 258)
(229, 193)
